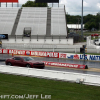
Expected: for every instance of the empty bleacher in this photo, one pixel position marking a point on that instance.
(34, 17)
(48, 25)
(58, 22)
(7, 19)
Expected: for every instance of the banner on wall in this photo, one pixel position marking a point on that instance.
(31, 53)
(50, 54)
(65, 65)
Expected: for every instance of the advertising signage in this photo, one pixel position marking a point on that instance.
(47, 1)
(8, 1)
(3, 36)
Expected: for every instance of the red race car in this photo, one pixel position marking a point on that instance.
(24, 62)
(95, 34)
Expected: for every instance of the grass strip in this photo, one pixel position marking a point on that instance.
(59, 90)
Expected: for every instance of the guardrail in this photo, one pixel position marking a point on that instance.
(48, 74)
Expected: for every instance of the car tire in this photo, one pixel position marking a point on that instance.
(43, 67)
(9, 63)
(99, 43)
(28, 65)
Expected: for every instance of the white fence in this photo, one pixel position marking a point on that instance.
(58, 75)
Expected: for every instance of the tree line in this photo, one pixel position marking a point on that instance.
(90, 21)
(33, 4)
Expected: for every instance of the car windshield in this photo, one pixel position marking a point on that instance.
(27, 58)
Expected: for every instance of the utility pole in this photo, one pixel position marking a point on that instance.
(78, 24)
(82, 20)
(99, 26)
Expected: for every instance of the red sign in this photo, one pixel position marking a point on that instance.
(64, 65)
(8, 0)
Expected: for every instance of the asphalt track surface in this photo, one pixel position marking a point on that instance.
(93, 67)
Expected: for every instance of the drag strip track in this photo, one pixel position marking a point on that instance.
(93, 71)
(94, 67)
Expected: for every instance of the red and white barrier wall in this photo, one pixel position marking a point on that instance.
(47, 54)
(67, 65)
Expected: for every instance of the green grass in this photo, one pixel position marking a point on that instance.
(59, 90)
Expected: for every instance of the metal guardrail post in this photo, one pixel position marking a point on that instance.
(84, 46)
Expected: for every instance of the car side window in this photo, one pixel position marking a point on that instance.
(17, 58)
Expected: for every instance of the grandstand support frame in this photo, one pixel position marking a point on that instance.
(15, 37)
(30, 37)
(37, 37)
(12, 4)
(52, 4)
(6, 4)
(59, 38)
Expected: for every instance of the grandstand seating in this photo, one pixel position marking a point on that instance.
(7, 19)
(34, 17)
(48, 25)
(58, 22)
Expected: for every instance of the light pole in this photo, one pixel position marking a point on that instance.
(78, 24)
(82, 20)
(99, 26)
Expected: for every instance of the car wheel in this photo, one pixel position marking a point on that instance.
(28, 65)
(99, 43)
(9, 63)
(43, 67)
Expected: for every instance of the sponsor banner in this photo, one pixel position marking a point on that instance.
(5, 51)
(73, 56)
(45, 54)
(18, 52)
(62, 55)
(31, 53)
(27, 52)
(50, 54)
(3, 36)
(64, 65)
(1, 51)
(81, 56)
(94, 57)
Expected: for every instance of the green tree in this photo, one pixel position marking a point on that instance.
(33, 4)
(90, 25)
(90, 21)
